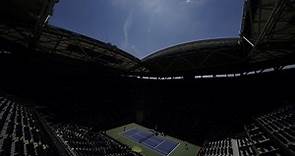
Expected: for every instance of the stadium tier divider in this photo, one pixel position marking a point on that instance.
(62, 150)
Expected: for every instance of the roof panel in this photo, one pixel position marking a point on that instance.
(196, 56)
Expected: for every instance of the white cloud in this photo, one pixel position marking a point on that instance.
(126, 28)
(154, 18)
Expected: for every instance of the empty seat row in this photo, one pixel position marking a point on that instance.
(262, 137)
(219, 147)
(20, 131)
(257, 142)
(280, 124)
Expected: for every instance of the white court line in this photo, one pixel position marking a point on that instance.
(173, 149)
(151, 147)
(131, 137)
(159, 143)
(138, 131)
(121, 133)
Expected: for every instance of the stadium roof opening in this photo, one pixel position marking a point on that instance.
(141, 27)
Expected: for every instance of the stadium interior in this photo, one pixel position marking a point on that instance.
(63, 93)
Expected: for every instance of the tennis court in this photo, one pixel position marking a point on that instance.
(150, 140)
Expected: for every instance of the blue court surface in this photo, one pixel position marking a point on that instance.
(157, 143)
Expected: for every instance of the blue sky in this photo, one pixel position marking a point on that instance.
(142, 27)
